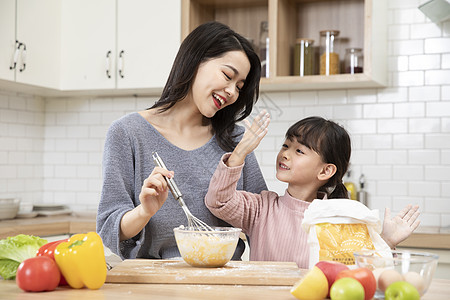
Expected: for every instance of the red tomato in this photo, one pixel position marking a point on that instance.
(38, 274)
(365, 277)
(48, 250)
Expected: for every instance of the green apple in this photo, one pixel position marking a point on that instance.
(401, 290)
(331, 269)
(347, 288)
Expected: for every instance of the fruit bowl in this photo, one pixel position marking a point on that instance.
(207, 249)
(416, 268)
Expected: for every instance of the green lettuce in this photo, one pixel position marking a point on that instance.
(14, 250)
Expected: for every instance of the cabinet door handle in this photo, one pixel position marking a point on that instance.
(16, 55)
(121, 64)
(24, 58)
(108, 64)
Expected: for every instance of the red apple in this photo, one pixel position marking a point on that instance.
(331, 269)
(365, 277)
(347, 288)
(401, 290)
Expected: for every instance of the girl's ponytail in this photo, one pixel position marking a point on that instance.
(340, 191)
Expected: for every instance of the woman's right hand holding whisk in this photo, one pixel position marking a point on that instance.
(153, 194)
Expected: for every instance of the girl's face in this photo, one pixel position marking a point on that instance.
(218, 82)
(298, 165)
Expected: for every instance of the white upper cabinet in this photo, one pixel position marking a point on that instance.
(7, 39)
(118, 44)
(34, 58)
(148, 37)
(89, 36)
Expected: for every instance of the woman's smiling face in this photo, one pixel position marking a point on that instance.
(218, 82)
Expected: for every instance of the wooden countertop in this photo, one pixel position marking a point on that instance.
(46, 226)
(439, 290)
(424, 237)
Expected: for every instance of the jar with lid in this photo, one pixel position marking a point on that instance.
(329, 52)
(353, 60)
(264, 48)
(304, 57)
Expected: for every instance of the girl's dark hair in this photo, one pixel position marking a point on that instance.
(208, 41)
(331, 142)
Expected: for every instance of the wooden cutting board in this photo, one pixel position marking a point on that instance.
(177, 271)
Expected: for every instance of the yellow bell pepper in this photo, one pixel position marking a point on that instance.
(82, 261)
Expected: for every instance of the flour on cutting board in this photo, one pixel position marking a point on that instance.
(234, 272)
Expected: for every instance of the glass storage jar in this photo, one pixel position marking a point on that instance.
(264, 48)
(329, 54)
(304, 57)
(353, 60)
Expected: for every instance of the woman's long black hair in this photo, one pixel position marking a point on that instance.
(212, 40)
(332, 143)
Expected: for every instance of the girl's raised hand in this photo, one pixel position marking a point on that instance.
(253, 135)
(154, 190)
(400, 227)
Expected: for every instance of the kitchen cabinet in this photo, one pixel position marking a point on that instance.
(362, 24)
(30, 35)
(118, 44)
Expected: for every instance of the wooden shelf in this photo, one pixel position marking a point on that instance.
(362, 24)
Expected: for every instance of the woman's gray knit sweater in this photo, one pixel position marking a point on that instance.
(127, 162)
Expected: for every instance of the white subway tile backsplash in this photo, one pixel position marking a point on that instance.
(429, 219)
(437, 173)
(403, 4)
(375, 173)
(391, 157)
(398, 63)
(437, 77)
(424, 188)
(424, 157)
(436, 205)
(363, 157)
(408, 47)
(445, 61)
(398, 94)
(410, 78)
(348, 111)
(392, 126)
(424, 93)
(406, 172)
(445, 156)
(437, 141)
(392, 187)
(445, 192)
(408, 141)
(424, 62)
(332, 97)
(424, 125)
(378, 111)
(437, 45)
(399, 32)
(409, 110)
(361, 126)
(376, 141)
(425, 30)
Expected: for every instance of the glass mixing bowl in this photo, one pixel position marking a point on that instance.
(210, 249)
(415, 267)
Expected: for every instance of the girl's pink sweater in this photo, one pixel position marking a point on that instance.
(272, 223)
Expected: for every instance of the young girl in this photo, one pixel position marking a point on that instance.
(214, 83)
(312, 160)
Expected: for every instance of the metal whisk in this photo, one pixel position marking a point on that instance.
(193, 222)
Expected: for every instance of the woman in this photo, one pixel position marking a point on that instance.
(213, 84)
